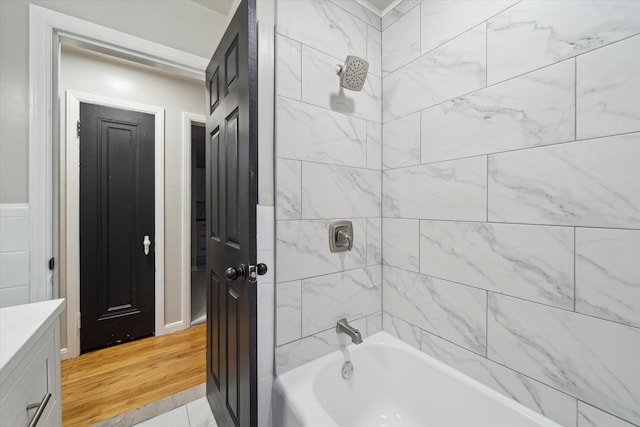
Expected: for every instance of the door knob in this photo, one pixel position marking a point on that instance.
(262, 269)
(232, 273)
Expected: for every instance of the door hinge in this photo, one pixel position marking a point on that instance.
(78, 129)
(78, 320)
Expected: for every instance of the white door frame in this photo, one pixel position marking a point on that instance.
(74, 99)
(47, 30)
(187, 120)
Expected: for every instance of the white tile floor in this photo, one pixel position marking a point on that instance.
(193, 414)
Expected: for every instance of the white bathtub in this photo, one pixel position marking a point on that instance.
(392, 385)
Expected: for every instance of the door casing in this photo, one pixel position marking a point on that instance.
(74, 98)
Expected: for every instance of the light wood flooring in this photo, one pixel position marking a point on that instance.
(108, 382)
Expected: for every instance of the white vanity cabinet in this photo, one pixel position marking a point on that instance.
(30, 365)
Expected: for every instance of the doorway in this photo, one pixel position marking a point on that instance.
(198, 225)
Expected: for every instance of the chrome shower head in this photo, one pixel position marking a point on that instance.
(353, 73)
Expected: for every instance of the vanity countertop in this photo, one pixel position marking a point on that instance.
(20, 327)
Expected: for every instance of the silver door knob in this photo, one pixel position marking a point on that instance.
(147, 243)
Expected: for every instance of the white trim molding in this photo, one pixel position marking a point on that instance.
(47, 29)
(74, 99)
(187, 120)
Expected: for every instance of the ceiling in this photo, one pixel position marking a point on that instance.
(223, 6)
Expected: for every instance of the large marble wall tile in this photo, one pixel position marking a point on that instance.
(374, 241)
(400, 243)
(442, 20)
(533, 34)
(324, 26)
(401, 41)
(306, 132)
(401, 142)
(526, 261)
(454, 312)
(587, 183)
(360, 12)
(374, 323)
(302, 248)
(531, 110)
(595, 361)
(401, 329)
(608, 274)
(454, 190)
(288, 312)
(453, 69)
(288, 189)
(337, 191)
(374, 145)
(289, 68)
(349, 294)
(608, 90)
(398, 12)
(322, 87)
(588, 416)
(531, 393)
(374, 51)
(292, 355)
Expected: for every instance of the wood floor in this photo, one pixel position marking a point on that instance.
(108, 382)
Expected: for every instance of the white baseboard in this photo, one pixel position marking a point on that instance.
(64, 354)
(170, 328)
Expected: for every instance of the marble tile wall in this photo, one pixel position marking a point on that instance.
(14, 254)
(328, 168)
(511, 197)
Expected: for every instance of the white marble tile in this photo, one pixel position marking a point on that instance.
(351, 294)
(608, 274)
(200, 414)
(453, 69)
(374, 145)
(303, 247)
(401, 142)
(292, 355)
(14, 234)
(608, 89)
(321, 87)
(586, 183)
(443, 20)
(526, 261)
(402, 330)
(374, 241)
(588, 416)
(454, 190)
(288, 67)
(455, 312)
(541, 398)
(14, 269)
(532, 34)
(288, 312)
(307, 132)
(337, 191)
(361, 12)
(374, 323)
(14, 296)
(401, 243)
(595, 361)
(324, 26)
(401, 41)
(374, 51)
(398, 12)
(174, 418)
(531, 110)
(288, 189)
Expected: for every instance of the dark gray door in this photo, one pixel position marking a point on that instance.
(231, 153)
(117, 294)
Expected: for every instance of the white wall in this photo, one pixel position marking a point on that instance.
(327, 168)
(102, 75)
(511, 198)
(183, 25)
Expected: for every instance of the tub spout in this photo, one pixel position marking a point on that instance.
(344, 327)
